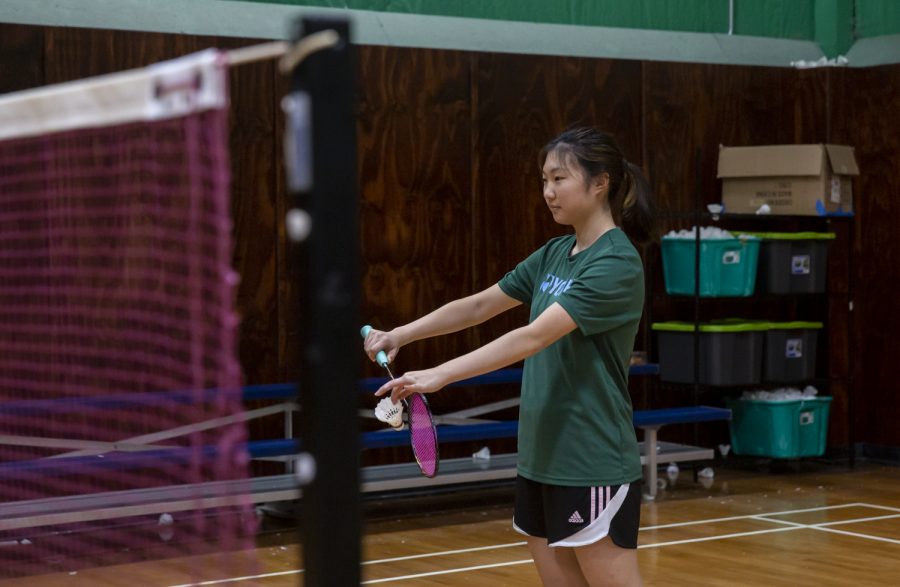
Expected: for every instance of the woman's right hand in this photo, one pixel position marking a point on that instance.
(379, 340)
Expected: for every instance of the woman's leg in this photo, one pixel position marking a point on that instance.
(556, 566)
(603, 564)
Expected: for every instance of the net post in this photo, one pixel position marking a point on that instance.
(321, 161)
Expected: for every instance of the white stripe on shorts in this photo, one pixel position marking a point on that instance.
(593, 503)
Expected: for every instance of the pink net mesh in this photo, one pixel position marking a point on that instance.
(117, 326)
(423, 434)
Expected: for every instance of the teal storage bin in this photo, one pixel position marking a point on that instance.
(779, 429)
(727, 266)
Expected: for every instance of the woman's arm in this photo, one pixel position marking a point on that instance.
(550, 326)
(451, 317)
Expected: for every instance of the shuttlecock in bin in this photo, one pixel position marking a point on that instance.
(390, 412)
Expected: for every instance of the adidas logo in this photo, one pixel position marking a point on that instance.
(576, 518)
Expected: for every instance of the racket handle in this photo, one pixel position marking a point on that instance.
(380, 358)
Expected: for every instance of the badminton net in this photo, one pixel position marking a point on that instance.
(118, 371)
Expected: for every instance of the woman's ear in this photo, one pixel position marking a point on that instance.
(601, 182)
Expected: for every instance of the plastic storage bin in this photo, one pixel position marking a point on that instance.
(730, 353)
(727, 266)
(779, 429)
(793, 262)
(790, 351)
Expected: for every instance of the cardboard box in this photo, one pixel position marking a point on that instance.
(809, 180)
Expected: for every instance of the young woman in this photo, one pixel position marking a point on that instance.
(578, 488)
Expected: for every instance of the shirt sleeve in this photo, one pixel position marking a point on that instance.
(519, 283)
(607, 294)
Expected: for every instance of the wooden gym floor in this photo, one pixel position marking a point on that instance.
(808, 524)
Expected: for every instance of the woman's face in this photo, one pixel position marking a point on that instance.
(567, 192)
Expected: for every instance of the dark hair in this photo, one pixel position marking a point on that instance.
(630, 196)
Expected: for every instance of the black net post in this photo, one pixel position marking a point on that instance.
(322, 222)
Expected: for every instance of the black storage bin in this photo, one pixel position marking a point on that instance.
(730, 354)
(792, 262)
(790, 351)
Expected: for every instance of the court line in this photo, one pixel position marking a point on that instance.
(881, 507)
(859, 520)
(237, 579)
(443, 553)
(826, 527)
(828, 524)
(789, 526)
(858, 535)
(720, 537)
(371, 562)
(748, 516)
(447, 572)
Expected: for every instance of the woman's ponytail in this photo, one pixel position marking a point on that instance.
(637, 215)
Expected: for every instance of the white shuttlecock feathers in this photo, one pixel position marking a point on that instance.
(390, 412)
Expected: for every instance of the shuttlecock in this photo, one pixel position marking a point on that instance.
(482, 455)
(715, 210)
(672, 471)
(390, 412)
(166, 529)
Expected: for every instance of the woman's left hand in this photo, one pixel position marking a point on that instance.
(427, 381)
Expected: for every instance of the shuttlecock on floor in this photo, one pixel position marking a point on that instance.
(390, 412)
(672, 471)
(166, 529)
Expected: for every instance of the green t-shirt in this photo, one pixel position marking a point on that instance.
(575, 417)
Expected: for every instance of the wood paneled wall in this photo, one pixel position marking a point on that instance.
(864, 107)
(451, 194)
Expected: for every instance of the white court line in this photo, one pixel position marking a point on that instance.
(858, 520)
(448, 571)
(827, 524)
(880, 507)
(826, 527)
(237, 579)
(721, 537)
(748, 516)
(444, 553)
(857, 535)
(371, 562)
(789, 526)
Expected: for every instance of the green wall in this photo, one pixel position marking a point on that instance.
(788, 19)
(767, 32)
(833, 24)
(875, 18)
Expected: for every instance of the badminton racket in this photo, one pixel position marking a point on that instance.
(420, 422)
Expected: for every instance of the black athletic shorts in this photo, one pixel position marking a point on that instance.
(578, 516)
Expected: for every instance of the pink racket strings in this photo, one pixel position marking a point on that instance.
(423, 434)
